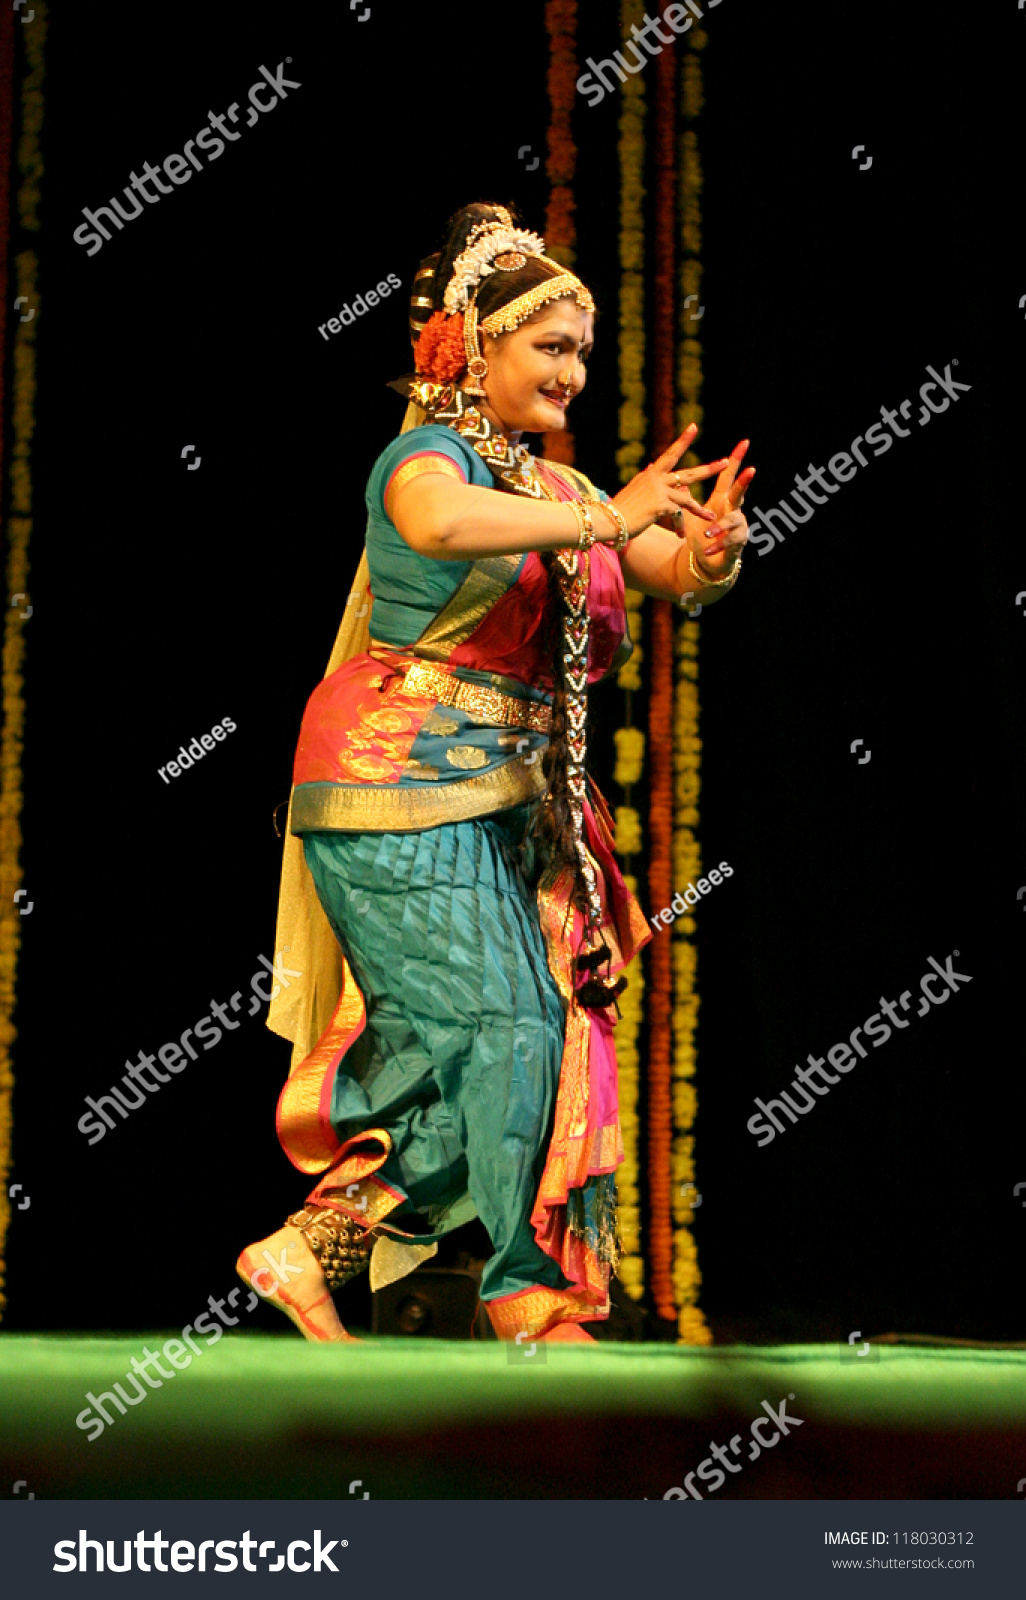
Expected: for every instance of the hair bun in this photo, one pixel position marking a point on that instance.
(457, 232)
(427, 293)
(422, 295)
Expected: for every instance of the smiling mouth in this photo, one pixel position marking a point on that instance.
(560, 400)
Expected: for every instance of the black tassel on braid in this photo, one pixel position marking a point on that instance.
(554, 818)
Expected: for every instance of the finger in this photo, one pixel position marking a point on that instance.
(669, 458)
(695, 474)
(732, 531)
(737, 493)
(686, 502)
(725, 481)
(723, 524)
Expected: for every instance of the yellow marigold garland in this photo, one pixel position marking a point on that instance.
(630, 740)
(630, 753)
(19, 528)
(687, 746)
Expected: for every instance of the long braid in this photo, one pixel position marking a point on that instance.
(554, 818)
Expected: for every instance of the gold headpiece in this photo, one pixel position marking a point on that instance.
(507, 318)
(489, 245)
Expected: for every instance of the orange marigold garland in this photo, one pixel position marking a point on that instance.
(561, 160)
(24, 121)
(560, 168)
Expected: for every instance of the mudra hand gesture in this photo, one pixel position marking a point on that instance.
(716, 531)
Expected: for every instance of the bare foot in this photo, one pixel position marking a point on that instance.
(301, 1292)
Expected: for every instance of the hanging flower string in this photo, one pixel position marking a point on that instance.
(630, 739)
(687, 746)
(660, 720)
(26, 120)
(560, 169)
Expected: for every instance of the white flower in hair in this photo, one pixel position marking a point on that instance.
(476, 260)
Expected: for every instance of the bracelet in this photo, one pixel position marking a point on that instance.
(587, 536)
(579, 519)
(623, 537)
(711, 583)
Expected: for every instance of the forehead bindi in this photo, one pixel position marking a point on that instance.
(564, 328)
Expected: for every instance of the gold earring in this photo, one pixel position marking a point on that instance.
(477, 366)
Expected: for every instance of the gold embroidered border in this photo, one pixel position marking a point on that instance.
(401, 657)
(485, 584)
(573, 478)
(306, 1142)
(375, 808)
(572, 1166)
(538, 1310)
(488, 705)
(413, 468)
(367, 1201)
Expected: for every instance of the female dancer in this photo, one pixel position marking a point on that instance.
(452, 912)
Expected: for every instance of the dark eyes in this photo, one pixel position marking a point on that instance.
(585, 355)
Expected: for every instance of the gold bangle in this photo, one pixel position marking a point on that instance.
(623, 537)
(586, 530)
(713, 583)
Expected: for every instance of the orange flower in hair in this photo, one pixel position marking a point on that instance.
(439, 351)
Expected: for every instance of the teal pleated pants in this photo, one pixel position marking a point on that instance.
(461, 1054)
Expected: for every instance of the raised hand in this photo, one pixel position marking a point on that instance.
(662, 488)
(728, 535)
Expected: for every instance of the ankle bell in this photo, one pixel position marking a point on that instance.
(341, 1246)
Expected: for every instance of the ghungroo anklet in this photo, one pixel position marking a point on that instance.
(341, 1246)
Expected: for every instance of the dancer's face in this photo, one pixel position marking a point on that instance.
(527, 369)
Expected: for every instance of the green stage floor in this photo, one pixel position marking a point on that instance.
(258, 1416)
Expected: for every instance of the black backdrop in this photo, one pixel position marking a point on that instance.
(167, 599)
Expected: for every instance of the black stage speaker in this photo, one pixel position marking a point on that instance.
(431, 1303)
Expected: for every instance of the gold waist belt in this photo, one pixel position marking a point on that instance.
(488, 705)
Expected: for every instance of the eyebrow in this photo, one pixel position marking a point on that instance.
(561, 333)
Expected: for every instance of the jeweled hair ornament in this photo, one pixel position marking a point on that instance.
(485, 242)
